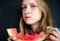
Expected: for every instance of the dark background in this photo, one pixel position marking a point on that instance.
(10, 11)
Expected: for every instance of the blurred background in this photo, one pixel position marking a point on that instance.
(10, 11)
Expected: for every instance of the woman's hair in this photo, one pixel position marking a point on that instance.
(46, 19)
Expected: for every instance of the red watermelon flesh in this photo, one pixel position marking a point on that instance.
(26, 37)
(29, 37)
(12, 32)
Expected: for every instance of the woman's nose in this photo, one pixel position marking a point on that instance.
(28, 10)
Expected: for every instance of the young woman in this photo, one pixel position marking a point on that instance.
(36, 18)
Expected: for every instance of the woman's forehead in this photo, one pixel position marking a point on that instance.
(28, 1)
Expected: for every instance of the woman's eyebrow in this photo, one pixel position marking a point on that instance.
(32, 3)
(23, 5)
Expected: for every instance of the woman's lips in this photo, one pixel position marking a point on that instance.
(27, 17)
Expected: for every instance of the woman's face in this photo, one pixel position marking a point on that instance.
(30, 12)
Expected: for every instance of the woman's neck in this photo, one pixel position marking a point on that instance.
(34, 26)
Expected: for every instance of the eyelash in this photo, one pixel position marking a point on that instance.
(32, 6)
(24, 7)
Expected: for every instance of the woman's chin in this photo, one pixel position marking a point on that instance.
(29, 23)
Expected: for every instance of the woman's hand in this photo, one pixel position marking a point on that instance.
(11, 38)
(54, 34)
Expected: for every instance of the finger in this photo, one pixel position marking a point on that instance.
(48, 29)
(56, 30)
(9, 39)
(55, 34)
(53, 31)
(53, 38)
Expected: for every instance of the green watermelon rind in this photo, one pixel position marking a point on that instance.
(9, 33)
(44, 37)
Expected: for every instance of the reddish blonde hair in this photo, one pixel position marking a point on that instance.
(46, 19)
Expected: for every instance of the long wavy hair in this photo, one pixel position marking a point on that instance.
(46, 19)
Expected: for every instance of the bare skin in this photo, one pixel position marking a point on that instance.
(32, 15)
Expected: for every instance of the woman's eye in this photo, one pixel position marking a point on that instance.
(24, 7)
(33, 6)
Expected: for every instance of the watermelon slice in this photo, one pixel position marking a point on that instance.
(12, 32)
(27, 37)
